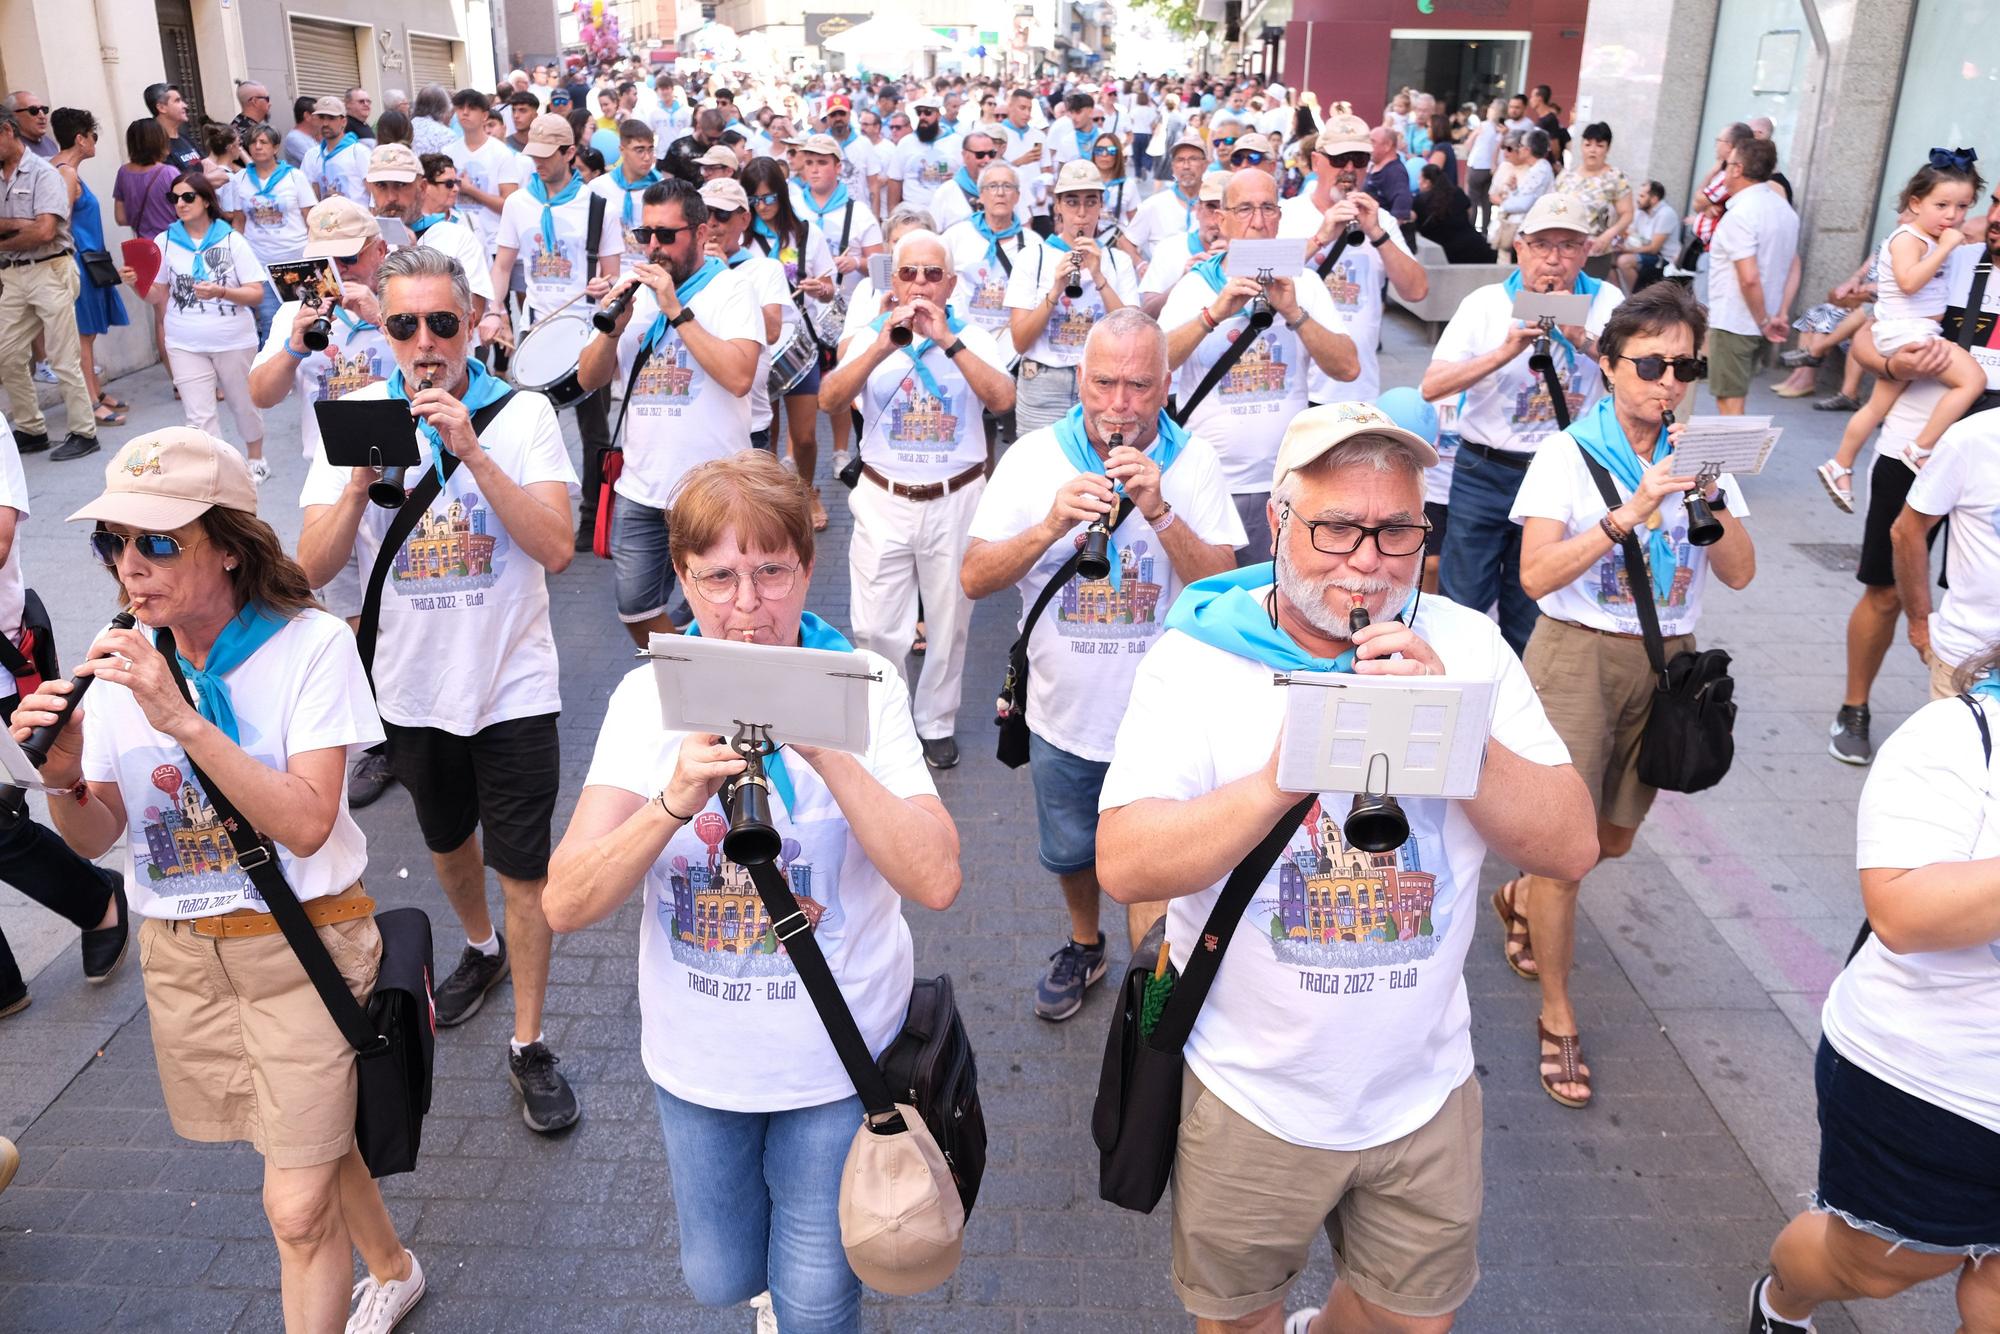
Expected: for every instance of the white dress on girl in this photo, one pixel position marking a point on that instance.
(1903, 319)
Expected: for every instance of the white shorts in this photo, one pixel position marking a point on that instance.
(1892, 336)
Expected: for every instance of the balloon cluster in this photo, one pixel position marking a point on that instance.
(597, 30)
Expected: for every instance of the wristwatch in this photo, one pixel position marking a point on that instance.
(1381, 240)
(687, 313)
(957, 346)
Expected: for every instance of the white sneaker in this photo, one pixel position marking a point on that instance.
(260, 471)
(45, 373)
(1300, 1322)
(840, 460)
(378, 1307)
(767, 1319)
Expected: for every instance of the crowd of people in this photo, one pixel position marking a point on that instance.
(1015, 308)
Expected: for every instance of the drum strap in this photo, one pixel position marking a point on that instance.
(415, 504)
(846, 227)
(593, 233)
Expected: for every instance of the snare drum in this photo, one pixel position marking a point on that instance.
(829, 318)
(545, 360)
(791, 360)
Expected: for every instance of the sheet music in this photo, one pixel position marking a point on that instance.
(1424, 736)
(1739, 445)
(1275, 257)
(1563, 307)
(808, 696)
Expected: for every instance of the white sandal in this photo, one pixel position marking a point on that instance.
(1831, 476)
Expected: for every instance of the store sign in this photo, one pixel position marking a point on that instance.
(819, 27)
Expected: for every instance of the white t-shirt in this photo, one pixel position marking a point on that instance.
(489, 168)
(949, 206)
(341, 173)
(1018, 142)
(1923, 1022)
(844, 234)
(923, 167)
(1437, 479)
(462, 244)
(1246, 414)
(676, 417)
(766, 281)
(982, 279)
(1912, 409)
(616, 198)
(1164, 217)
(1482, 146)
(356, 356)
(1062, 338)
(1169, 264)
(859, 160)
(1648, 223)
(273, 221)
(465, 639)
(724, 1022)
(1510, 408)
(1142, 119)
(1757, 224)
(1356, 283)
(215, 324)
(1086, 647)
(1558, 486)
(13, 496)
(302, 690)
(1339, 1018)
(917, 431)
(554, 276)
(1962, 480)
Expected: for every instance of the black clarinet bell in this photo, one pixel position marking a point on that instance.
(1376, 823)
(752, 839)
(1704, 529)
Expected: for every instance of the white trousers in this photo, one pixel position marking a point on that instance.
(197, 375)
(901, 548)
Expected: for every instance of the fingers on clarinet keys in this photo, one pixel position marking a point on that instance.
(752, 839)
(605, 318)
(39, 741)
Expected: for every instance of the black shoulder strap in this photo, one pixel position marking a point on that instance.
(1259, 322)
(625, 404)
(1177, 1021)
(1000, 249)
(1064, 573)
(795, 933)
(1333, 254)
(593, 234)
(400, 528)
(1639, 581)
(258, 859)
(1975, 304)
(13, 661)
(846, 227)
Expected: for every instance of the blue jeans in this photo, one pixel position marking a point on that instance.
(1066, 792)
(643, 571)
(758, 1199)
(266, 310)
(1481, 563)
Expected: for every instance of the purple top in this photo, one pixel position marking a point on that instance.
(143, 191)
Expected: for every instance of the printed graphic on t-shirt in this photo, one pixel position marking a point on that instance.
(1090, 611)
(451, 556)
(550, 266)
(935, 171)
(716, 924)
(1070, 326)
(265, 211)
(989, 296)
(1534, 413)
(184, 852)
(918, 417)
(668, 380)
(1344, 287)
(1259, 374)
(221, 266)
(1613, 590)
(341, 373)
(1340, 907)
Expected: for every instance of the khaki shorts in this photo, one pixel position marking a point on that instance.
(245, 1046)
(1944, 677)
(1598, 692)
(1732, 362)
(1403, 1217)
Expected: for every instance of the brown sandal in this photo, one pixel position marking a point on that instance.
(818, 511)
(1568, 1060)
(1517, 949)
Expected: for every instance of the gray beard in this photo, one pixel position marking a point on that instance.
(1307, 595)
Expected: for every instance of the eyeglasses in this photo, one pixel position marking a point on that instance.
(1249, 157)
(931, 273)
(1000, 188)
(764, 201)
(1576, 247)
(1651, 367)
(158, 548)
(1248, 211)
(771, 580)
(402, 328)
(662, 235)
(1336, 537)
(183, 196)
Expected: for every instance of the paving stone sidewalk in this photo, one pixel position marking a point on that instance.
(1701, 961)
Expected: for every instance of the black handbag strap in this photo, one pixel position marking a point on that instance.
(1975, 301)
(593, 235)
(1177, 1021)
(1259, 322)
(1064, 573)
(795, 933)
(258, 859)
(1640, 582)
(419, 500)
(625, 403)
(13, 660)
(1345, 239)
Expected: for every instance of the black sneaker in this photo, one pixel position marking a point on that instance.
(940, 752)
(31, 442)
(1072, 969)
(77, 446)
(1850, 743)
(15, 1003)
(458, 997)
(1764, 1324)
(104, 947)
(548, 1103)
(368, 778)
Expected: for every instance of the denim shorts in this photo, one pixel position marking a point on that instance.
(644, 573)
(1903, 1169)
(1066, 788)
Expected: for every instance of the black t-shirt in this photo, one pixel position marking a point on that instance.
(182, 153)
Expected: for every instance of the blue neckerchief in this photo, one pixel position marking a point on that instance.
(965, 182)
(1211, 271)
(538, 191)
(354, 325)
(1585, 286)
(742, 254)
(217, 233)
(278, 173)
(1194, 243)
(1083, 456)
(630, 188)
(1085, 141)
(481, 388)
(849, 139)
(1189, 202)
(761, 228)
(425, 223)
(683, 293)
(813, 633)
(1987, 685)
(347, 141)
(1224, 611)
(833, 201)
(1599, 435)
(993, 238)
(249, 631)
(1058, 243)
(915, 350)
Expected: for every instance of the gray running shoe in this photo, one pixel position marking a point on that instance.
(1850, 743)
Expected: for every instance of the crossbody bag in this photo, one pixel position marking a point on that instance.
(392, 1036)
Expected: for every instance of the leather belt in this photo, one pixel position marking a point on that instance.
(1594, 630)
(1506, 458)
(929, 490)
(13, 263)
(320, 912)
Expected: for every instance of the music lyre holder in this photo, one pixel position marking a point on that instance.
(1375, 822)
(752, 839)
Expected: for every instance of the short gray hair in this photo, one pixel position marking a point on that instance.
(909, 215)
(1004, 168)
(421, 261)
(433, 100)
(1382, 452)
(395, 98)
(1128, 322)
(921, 236)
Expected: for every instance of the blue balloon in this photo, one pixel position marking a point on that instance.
(1406, 407)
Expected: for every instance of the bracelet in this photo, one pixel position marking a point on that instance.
(1165, 521)
(1379, 241)
(1299, 323)
(301, 356)
(1208, 321)
(661, 801)
(1611, 530)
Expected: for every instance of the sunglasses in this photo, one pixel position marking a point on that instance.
(1223, 143)
(1249, 157)
(183, 196)
(402, 328)
(663, 235)
(558, 101)
(977, 156)
(931, 273)
(1347, 159)
(32, 111)
(1097, 120)
(1106, 151)
(1650, 368)
(451, 184)
(155, 547)
(764, 201)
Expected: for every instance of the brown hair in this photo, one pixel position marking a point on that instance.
(1652, 311)
(1968, 675)
(748, 493)
(195, 179)
(264, 573)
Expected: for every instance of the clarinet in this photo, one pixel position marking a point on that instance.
(1095, 561)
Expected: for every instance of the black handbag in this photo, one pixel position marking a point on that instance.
(99, 267)
(928, 1065)
(1691, 253)
(1136, 1121)
(1010, 715)
(393, 1038)
(1688, 743)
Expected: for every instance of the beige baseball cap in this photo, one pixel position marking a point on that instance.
(1214, 186)
(725, 194)
(170, 478)
(548, 135)
(824, 144)
(1254, 143)
(719, 156)
(394, 162)
(1556, 213)
(338, 227)
(1317, 430)
(1343, 134)
(901, 1222)
(1193, 141)
(1077, 176)
(330, 106)
(923, 100)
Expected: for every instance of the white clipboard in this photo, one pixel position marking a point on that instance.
(1571, 308)
(1413, 736)
(802, 696)
(1273, 257)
